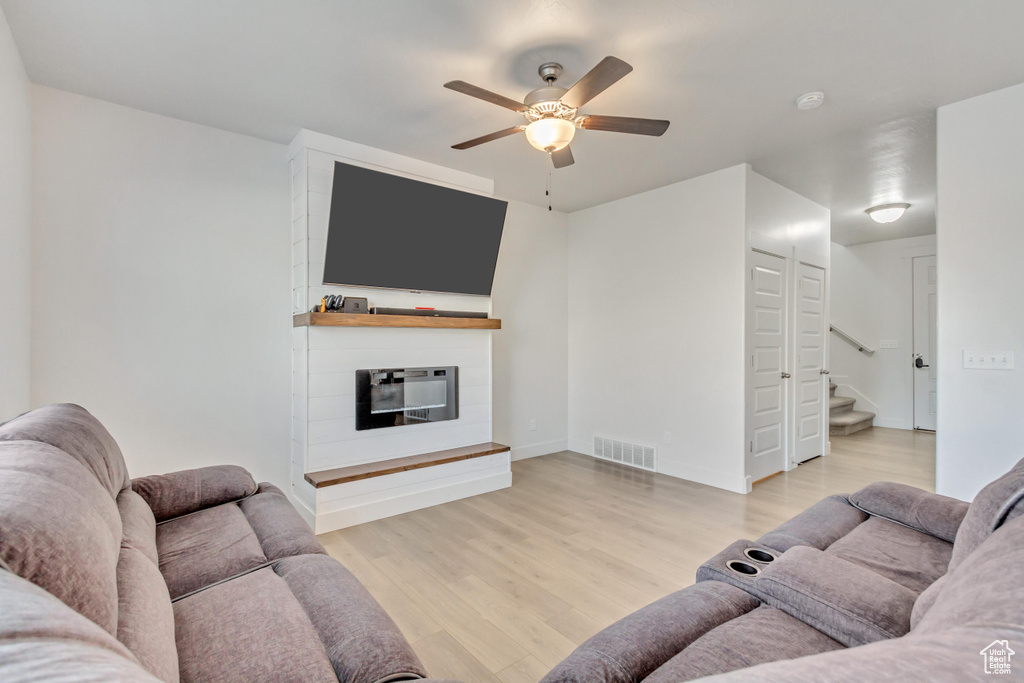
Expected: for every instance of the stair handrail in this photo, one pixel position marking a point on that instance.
(861, 346)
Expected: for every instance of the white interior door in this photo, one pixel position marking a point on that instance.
(925, 359)
(767, 399)
(809, 408)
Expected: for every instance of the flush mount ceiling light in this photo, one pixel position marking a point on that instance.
(887, 213)
(811, 100)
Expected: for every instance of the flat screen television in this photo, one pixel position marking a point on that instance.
(397, 233)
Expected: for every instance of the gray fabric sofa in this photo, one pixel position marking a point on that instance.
(889, 583)
(200, 575)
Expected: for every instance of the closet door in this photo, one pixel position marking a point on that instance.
(767, 379)
(809, 380)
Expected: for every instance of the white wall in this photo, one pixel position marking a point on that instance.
(15, 227)
(531, 351)
(785, 223)
(161, 275)
(872, 299)
(980, 225)
(656, 307)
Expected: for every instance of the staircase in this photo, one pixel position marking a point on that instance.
(843, 420)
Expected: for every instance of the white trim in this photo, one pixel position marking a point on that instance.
(538, 449)
(915, 252)
(735, 483)
(730, 482)
(400, 504)
(307, 514)
(363, 155)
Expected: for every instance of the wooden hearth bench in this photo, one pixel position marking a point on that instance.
(342, 475)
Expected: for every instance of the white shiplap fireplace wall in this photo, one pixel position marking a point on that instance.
(324, 361)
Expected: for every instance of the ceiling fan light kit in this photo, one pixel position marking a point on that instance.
(887, 213)
(550, 135)
(552, 112)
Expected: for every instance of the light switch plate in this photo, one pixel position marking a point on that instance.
(888, 344)
(988, 360)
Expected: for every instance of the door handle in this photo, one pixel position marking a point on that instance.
(822, 372)
(786, 375)
(919, 362)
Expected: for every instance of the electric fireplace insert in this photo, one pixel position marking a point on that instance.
(392, 397)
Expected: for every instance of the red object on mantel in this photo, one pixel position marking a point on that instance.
(425, 308)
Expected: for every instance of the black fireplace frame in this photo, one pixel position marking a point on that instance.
(396, 378)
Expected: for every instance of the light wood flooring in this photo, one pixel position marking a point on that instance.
(501, 587)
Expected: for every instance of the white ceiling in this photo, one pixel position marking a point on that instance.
(726, 73)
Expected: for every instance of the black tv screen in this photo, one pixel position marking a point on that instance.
(394, 232)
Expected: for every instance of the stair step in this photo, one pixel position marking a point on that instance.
(849, 422)
(837, 405)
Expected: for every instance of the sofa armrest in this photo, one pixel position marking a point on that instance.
(845, 601)
(180, 493)
(929, 513)
(631, 648)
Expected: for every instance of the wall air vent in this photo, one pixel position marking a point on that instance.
(626, 453)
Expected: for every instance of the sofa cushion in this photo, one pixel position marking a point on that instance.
(927, 512)
(852, 604)
(986, 588)
(952, 656)
(361, 640)
(59, 528)
(910, 558)
(145, 618)
(217, 543)
(305, 618)
(240, 629)
(761, 635)
(211, 545)
(819, 526)
(180, 493)
(280, 530)
(996, 504)
(75, 431)
(633, 647)
(42, 639)
(925, 601)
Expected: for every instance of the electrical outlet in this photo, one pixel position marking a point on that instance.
(666, 437)
(889, 344)
(533, 425)
(988, 360)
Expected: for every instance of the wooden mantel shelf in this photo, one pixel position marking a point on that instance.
(368, 470)
(371, 320)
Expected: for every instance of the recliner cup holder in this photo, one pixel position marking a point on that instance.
(760, 555)
(742, 568)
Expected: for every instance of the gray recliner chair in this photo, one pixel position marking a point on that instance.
(890, 582)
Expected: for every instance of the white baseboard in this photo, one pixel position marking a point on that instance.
(577, 446)
(720, 480)
(307, 514)
(534, 450)
(368, 512)
(891, 423)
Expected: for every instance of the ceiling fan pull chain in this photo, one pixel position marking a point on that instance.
(547, 192)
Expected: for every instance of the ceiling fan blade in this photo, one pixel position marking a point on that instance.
(487, 138)
(562, 158)
(485, 95)
(606, 73)
(625, 124)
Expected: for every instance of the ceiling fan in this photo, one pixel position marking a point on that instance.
(552, 112)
